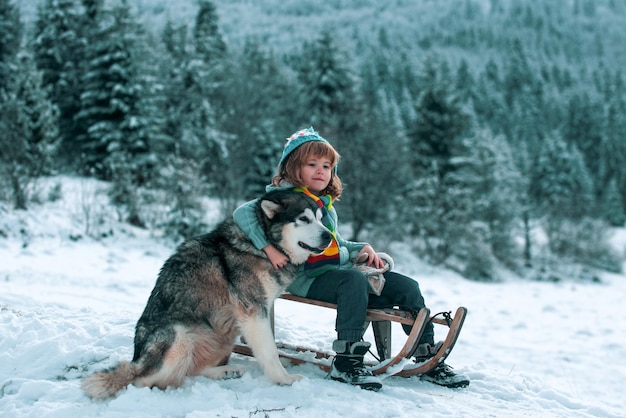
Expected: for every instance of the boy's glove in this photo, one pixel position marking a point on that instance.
(375, 276)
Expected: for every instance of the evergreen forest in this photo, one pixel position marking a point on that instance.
(488, 135)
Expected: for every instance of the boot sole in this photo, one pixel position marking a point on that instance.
(373, 386)
(451, 385)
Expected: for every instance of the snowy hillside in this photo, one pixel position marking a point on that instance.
(69, 303)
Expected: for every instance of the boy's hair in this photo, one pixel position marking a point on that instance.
(290, 169)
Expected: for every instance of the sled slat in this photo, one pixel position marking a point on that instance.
(393, 315)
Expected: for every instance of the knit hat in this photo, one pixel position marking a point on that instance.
(297, 139)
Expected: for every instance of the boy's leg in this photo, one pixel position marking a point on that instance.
(403, 292)
(349, 290)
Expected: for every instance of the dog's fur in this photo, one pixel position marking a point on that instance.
(213, 288)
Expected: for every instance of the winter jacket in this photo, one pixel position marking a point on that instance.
(245, 218)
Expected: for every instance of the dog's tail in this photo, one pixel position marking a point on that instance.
(107, 383)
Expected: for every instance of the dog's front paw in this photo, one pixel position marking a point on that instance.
(234, 373)
(289, 379)
(222, 372)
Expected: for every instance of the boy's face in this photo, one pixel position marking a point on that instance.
(316, 173)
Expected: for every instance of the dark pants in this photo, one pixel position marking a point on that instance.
(349, 289)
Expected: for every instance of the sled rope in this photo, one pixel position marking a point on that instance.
(447, 316)
(369, 350)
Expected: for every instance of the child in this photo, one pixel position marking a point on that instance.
(309, 164)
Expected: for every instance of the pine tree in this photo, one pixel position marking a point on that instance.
(10, 38)
(209, 45)
(328, 94)
(439, 155)
(205, 83)
(28, 130)
(612, 147)
(178, 87)
(583, 128)
(28, 134)
(118, 114)
(498, 193)
(373, 165)
(59, 47)
(440, 122)
(488, 100)
(210, 54)
(330, 98)
(258, 125)
(518, 77)
(464, 84)
(196, 72)
(111, 115)
(613, 205)
(180, 174)
(560, 184)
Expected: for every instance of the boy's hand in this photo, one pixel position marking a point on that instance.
(372, 258)
(277, 258)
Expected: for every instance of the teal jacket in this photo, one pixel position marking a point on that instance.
(245, 218)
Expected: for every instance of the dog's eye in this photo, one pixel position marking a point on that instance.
(304, 219)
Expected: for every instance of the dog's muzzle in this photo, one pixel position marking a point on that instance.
(326, 237)
(314, 250)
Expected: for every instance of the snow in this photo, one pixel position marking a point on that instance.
(68, 307)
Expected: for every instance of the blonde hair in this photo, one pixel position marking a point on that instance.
(291, 167)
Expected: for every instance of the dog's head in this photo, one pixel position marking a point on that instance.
(292, 222)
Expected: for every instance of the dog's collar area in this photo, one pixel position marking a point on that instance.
(279, 248)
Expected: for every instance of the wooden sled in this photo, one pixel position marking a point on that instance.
(381, 320)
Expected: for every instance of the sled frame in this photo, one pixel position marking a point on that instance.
(381, 320)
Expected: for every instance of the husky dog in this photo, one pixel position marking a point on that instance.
(213, 288)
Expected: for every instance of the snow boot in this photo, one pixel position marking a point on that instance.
(425, 351)
(348, 365)
(442, 374)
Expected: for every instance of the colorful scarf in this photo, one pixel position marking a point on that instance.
(318, 264)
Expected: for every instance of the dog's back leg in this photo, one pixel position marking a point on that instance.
(174, 362)
(211, 354)
(258, 334)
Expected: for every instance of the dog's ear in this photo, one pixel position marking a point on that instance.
(270, 208)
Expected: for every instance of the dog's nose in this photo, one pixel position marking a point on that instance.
(327, 236)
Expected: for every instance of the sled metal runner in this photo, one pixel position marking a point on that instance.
(381, 320)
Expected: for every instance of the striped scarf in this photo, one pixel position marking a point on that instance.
(318, 264)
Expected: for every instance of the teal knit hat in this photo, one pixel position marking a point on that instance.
(297, 139)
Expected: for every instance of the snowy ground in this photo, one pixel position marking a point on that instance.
(69, 306)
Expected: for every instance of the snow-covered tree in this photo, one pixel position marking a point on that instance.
(375, 187)
(259, 125)
(331, 98)
(464, 83)
(28, 131)
(10, 38)
(442, 192)
(112, 117)
(612, 148)
(119, 117)
(498, 193)
(327, 96)
(195, 71)
(613, 205)
(440, 122)
(209, 44)
(583, 128)
(59, 47)
(560, 183)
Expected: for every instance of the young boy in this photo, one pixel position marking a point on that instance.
(309, 164)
